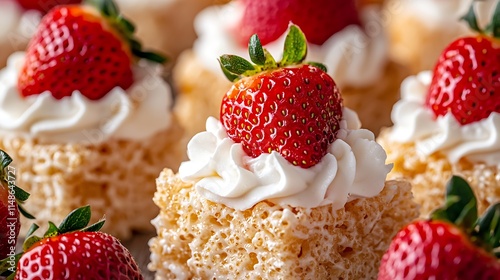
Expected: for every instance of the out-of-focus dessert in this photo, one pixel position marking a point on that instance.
(285, 186)
(447, 122)
(420, 30)
(87, 120)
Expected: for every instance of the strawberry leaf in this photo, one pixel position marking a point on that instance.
(270, 61)
(230, 76)
(51, 231)
(6, 266)
(495, 22)
(295, 50)
(20, 194)
(32, 229)
(235, 64)
(471, 19)
(76, 220)
(30, 241)
(24, 212)
(95, 227)
(489, 226)
(256, 51)
(460, 206)
(5, 160)
(318, 65)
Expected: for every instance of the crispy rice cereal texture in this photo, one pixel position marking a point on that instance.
(199, 239)
(116, 178)
(429, 175)
(201, 91)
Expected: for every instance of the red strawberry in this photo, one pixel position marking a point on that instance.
(11, 198)
(76, 251)
(466, 78)
(44, 5)
(319, 19)
(288, 107)
(81, 47)
(453, 244)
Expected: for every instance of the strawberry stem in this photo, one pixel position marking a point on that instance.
(294, 52)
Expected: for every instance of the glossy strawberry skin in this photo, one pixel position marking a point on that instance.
(318, 19)
(44, 5)
(78, 255)
(295, 111)
(74, 49)
(435, 250)
(466, 80)
(9, 222)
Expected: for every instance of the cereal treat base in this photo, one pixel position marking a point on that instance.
(429, 175)
(199, 239)
(116, 178)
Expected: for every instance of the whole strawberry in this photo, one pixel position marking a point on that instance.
(288, 107)
(75, 250)
(453, 244)
(87, 48)
(11, 198)
(466, 79)
(44, 5)
(318, 19)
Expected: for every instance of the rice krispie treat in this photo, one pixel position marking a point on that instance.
(448, 121)
(86, 121)
(285, 186)
(348, 38)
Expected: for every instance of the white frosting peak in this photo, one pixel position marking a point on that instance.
(353, 167)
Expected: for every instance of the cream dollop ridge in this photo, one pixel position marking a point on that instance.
(136, 113)
(414, 122)
(221, 171)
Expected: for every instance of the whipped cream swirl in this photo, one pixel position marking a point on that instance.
(414, 122)
(353, 167)
(137, 113)
(353, 56)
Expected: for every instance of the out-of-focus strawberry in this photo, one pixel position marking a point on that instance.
(318, 19)
(453, 244)
(88, 48)
(75, 250)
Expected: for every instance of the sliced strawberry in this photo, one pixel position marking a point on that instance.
(288, 107)
(81, 48)
(74, 250)
(44, 5)
(466, 79)
(453, 244)
(318, 19)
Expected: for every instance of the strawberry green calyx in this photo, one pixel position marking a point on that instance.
(125, 28)
(294, 53)
(77, 221)
(493, 28)
(7, 181)
(460, 209)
